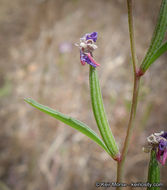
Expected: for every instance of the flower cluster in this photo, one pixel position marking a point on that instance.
(158, 142)
(87, 46)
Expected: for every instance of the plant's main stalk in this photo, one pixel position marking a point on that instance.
(120, 167)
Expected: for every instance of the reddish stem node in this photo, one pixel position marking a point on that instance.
(140, 73)
(118, 157)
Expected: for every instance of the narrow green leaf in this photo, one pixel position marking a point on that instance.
(156, 55)
(153, 172)
(76, 124)
(100, 115)
(158, 35)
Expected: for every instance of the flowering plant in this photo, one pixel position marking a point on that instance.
(157, 142)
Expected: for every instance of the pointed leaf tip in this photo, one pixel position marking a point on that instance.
(74, 123)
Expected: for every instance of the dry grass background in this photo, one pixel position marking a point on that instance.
(40, 153)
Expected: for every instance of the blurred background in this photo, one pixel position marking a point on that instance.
(38, 59)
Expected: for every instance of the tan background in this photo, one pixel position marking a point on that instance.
(40, 153)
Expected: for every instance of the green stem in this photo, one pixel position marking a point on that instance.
(120, 167)
(131, 34)
(153, 171)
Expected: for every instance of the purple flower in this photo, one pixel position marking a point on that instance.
(85, 59)
(164, 135)
(92, 36)
(87, 46)
(162, 145)
(158, 142)
(162, 151)
(162, 156)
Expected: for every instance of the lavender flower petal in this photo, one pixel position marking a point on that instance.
(164, 157)
(158, 155)
(85, 58)
(162, 144)
(92, 36)
(164, 135)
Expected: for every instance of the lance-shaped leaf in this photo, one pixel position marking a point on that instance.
(76, 124)
(156, 55)
(158, 35)
(100, 115)
(153, 172)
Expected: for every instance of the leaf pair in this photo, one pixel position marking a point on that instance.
(108, 143)
(156, 48)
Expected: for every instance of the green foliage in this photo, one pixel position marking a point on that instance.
(153, 171)
(155, 50)
(156, 55)
(76, 124)
(99, 113)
